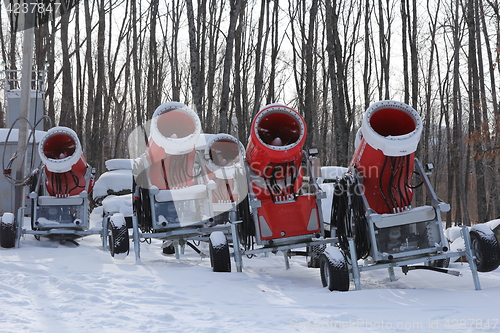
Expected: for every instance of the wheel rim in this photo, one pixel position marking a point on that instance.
(475, 247)
(110, 239)
(326, 272)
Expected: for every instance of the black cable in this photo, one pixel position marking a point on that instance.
(193, 247)
(194, 175)
(348, 216)
(247, 227)
(381, 183)
(407, 177)
(390, 184)
(398, 171)
(164, 172)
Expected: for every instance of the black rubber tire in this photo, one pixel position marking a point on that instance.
(146, 210)
(8, 234)
(334, 274)
(220, 259)
(118, 239)
(316, 252)
(168, 250)
(487, 250)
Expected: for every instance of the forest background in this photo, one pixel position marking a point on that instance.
(110, 63)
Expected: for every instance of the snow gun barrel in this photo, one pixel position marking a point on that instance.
(175, 129)
(60, 149)
(274, 151)
(65, 166)
(174, 132)
(384, 155)
(224, 154)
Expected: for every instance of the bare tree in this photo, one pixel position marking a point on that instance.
(228, 62)
(67, 114)
(195, 63)
(337, 77)
(260, 55)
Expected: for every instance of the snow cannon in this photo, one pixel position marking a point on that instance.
(286, 211)
(372, 215)
(65, 166)
(384, 155)
(174, 132)
(274, 152)
(225, 166)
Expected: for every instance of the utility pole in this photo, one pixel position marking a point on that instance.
(26, 72)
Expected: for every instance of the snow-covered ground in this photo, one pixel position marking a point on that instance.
(48, 287)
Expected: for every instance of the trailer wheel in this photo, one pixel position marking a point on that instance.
(168, 249)
(334, 273)
(487, 250)
(8, 231)
(316, 252)
(220, 260)
(118, 239)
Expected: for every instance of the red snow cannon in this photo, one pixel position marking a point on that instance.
(65, 166)
(384, 155)
(275, 157)
(175, 130)
(274, 152)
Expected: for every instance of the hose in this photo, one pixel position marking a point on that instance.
(348, 216)
(7, 171)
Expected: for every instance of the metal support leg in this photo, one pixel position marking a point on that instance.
(135, 235)
(470, 256)
(392, 276)
(287, 262)
(354, 262)
(177, 248)
(20, 225)
(105, 233)
(237, 250)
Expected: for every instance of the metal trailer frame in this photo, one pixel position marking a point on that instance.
(404, 259)
(76, 205)
(177, 235)
(286, 244)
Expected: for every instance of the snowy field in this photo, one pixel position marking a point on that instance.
(48, 287)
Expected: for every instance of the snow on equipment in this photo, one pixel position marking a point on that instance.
(283, 210)
(59, 189)
(185, 188)
(372, 211)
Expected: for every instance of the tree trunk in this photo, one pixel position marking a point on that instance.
(98, 125)
(194, 48)
(67, 101)
(260, 55)
(309, 100)
(90, 74)
(153, 90)
(228, 62)
(136, 64)
(336, 73)
(475, 104)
